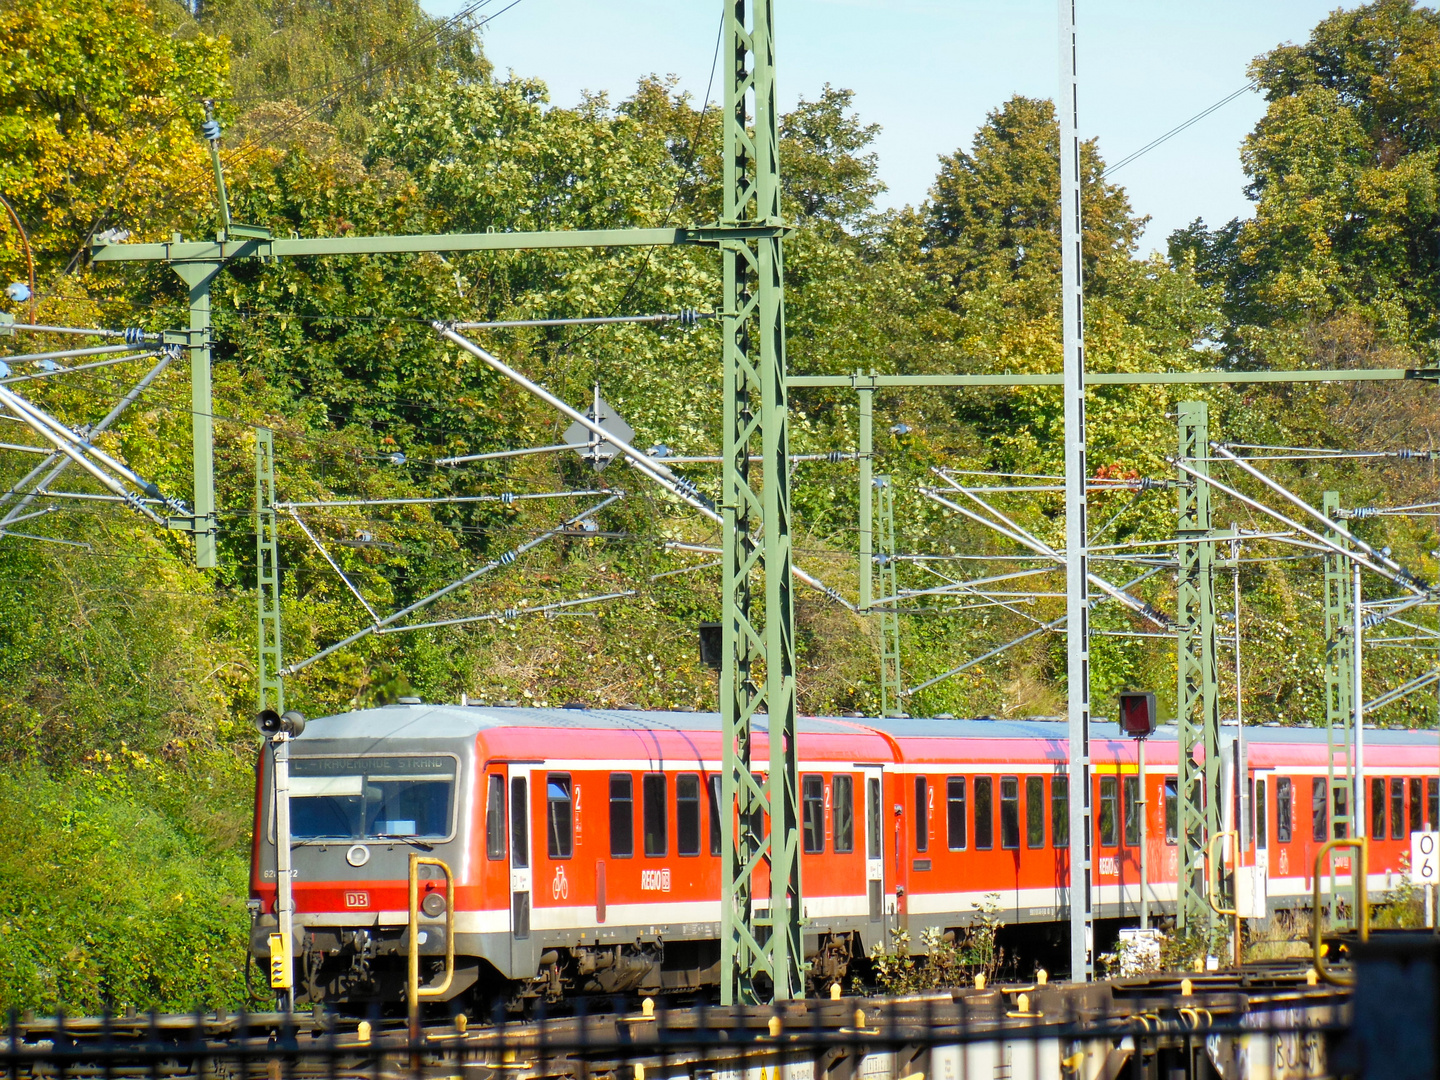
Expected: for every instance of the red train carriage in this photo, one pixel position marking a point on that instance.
(586, 844)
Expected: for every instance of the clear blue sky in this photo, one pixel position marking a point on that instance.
(928, 71)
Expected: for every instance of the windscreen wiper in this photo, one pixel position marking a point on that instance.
(421, 844)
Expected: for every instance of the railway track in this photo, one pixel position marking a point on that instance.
(1171, 1024)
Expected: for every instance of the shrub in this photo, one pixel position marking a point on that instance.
(949, 960)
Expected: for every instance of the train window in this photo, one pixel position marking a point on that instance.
(1034, 811)
(519, 824)
(1284, 810)
(622, 815)
(922, 813)
(1262, 816)
(1172, 809)
(1109, 835)
(1130, 789)
(1377, 808)
(495, 817)
(872, 818)
(371, 797)
(1240, 809)
(1417, 816)
(657, 827)
(842, 804)
(715, 841)
(559, 817)
(1432, 801)
(955, 831)
(812, 813)
(1060, 811)
(1397, 808)
(1342, 811)
(1009, 812)
(984, 813)
(1319, 826)
(687, 814)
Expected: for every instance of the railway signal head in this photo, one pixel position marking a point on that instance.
(712, 648)
(1137, 715)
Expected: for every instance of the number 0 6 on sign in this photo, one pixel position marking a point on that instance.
(1425, 858)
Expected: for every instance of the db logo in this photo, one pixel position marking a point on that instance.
(357, 899)
(560, 887)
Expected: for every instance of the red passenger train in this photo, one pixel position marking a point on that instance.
(586, 843)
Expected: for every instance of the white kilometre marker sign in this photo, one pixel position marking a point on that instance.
(1425, 858)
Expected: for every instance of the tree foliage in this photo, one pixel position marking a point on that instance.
(129, 674)
(1343, 172)
(993, 217)
(98, 111)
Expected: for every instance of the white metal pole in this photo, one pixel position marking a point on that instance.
(866, 401)
(60, 466)
(1242, 769)
(285, 902)
(1077, 609)
(652, 468)
(1144, 852)
(1402, 576)
(1359, 720)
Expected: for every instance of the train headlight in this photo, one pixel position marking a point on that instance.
(433, 905)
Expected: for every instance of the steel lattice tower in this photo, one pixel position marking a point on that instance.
(759, 673)
(1197, 716)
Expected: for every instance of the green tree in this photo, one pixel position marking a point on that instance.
(993, 218)
(332, 61)
(98, 113)
(1343, 173)
(831, 174)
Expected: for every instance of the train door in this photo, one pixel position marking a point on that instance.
(1247, 887)
(1261, 785)
(522, 948)
(875, 854)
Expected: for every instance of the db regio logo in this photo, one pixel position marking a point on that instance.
(655, 880)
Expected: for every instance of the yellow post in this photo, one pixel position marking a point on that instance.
(1212, 889)
(414, 990)
(1358, 871)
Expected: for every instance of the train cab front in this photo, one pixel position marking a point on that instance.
(367, 791)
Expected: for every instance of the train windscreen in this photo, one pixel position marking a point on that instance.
(371, 798)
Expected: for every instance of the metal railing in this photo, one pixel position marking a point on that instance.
(1212, 891)
(414, 992)
(1359, 869)
(1193, 1028)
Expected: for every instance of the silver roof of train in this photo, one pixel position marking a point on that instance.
(456, 721)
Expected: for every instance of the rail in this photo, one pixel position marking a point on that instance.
(1213, 886)
(415, 993)
(1359, 868)
(1162, 1025)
